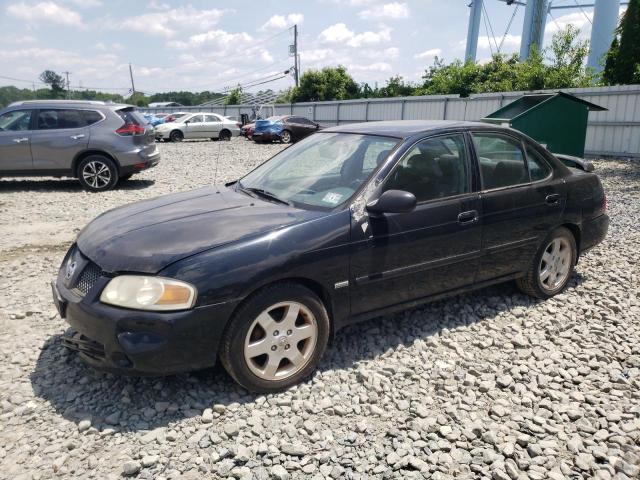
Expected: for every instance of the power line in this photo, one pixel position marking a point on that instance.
(583, 12)
(506, 32)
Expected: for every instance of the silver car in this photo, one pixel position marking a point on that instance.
(99, 143)
(198, 125)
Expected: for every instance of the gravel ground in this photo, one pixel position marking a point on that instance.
(486, 385)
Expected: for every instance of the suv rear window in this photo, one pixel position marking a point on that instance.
(131, 117)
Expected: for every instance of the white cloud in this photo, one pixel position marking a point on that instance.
(428, 54)
(46, 12)
(394, 10)
(340, 34)
(278, 22)
(85, 3)
(219, 39)
(510, 42)
(370, 67)
(168, 23)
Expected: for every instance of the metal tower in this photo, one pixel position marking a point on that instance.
(605, 20)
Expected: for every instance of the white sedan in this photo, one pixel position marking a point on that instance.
(198, 125)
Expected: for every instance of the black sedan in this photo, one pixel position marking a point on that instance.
(350, 223)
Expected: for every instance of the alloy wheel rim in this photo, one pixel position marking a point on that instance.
(555, 264)
(96, 174)
(286, 137)
(281, 341)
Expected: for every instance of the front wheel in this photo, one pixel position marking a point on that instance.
(276, 338)
(224, 135)
(285, 136)
(97, 173)
(176, 136)
(552, 265)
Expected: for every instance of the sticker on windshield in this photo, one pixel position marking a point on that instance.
(332, 198)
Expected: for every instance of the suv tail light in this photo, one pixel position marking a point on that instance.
(129, 129)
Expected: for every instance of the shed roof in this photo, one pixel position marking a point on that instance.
(530, 101)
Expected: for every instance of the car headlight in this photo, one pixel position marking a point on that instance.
(143, 292)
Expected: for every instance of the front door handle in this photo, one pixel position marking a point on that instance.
(553, 199)
(76, 137)
(468, 217)
(20, 140)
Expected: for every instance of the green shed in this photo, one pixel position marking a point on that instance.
(557, 120)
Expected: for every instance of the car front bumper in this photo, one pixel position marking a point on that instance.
(265, 136)
(139, 342)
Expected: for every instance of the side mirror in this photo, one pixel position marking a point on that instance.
(393, 201)
(187, 122)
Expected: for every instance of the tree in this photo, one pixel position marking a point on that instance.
(55, 81)
(568, 55)
(564, 68)
(234, 97)
(330, 83)
(623, 58)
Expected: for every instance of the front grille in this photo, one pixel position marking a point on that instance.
(82, 344)
(88, 278)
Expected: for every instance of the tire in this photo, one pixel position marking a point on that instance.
(552, 265)
(224, 135)
(285, 136)
(97, 173)
(176, 136)
(288, 311)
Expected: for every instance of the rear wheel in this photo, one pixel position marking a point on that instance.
(176, 136)
(225, 135)
(552, 265)
(276, 338)
(97, 173)
(285, 136)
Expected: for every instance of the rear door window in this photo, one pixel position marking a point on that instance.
(501, 160)
(56, 119)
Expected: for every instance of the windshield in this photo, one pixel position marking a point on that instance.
(323, 171)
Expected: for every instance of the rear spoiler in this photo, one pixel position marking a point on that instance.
(575, 162)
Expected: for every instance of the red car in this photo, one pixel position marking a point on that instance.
(247, 130)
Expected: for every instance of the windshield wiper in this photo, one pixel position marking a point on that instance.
(265, 194)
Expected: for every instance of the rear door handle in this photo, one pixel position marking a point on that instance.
(76, 137)
(553, 199)
(20, 140)
(468, 217)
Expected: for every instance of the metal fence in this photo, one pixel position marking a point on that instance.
(615, 132)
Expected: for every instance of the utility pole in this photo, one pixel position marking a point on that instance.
(295, 54)
(67, 74)
(133, 87)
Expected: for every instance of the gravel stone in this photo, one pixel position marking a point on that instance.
(489, 384)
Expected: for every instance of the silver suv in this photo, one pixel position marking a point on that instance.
(99, 143)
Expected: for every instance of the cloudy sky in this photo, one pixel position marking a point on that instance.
(207, 45)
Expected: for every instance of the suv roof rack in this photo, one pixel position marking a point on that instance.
(73, 102)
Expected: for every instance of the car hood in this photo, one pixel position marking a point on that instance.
(149, 235)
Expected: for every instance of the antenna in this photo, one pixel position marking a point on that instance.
(215, 170)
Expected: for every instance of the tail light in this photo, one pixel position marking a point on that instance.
(129, 129)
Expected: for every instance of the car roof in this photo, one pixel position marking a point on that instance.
(403, 128)
(69, 104)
